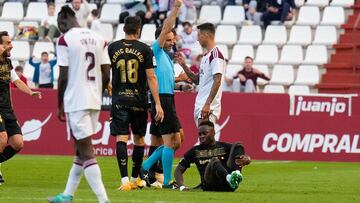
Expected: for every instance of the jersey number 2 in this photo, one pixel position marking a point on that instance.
(91, 65)
(131, 68)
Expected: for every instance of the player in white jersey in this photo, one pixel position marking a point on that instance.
(212, 68)
(84, 74)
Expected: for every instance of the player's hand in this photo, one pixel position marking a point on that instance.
(187, 87)
(109, 89)
(159, 117)
(205, 112)
(243, 160)
(183, 77)
(180, 58)
(36, 94)
(61, 114)
(178, 3)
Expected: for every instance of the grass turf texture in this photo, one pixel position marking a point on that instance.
(34, 178)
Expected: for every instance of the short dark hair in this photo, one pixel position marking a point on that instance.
(50, 4)
(159, 29)
(95, 12)
(44, 53)
(132, 24)
(186, 23)
(66, 11)
(208, 123)
(249, 57)
(19, 68)
(207, 27)
(2, 34)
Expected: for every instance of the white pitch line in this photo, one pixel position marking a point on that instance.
(75, 199)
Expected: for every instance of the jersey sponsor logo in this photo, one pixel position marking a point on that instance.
(332, 106)
(32, 128)
(310, 142)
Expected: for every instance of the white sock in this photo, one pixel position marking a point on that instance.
(133, 179)
(124, 180)
(74, 177)
(93, 176)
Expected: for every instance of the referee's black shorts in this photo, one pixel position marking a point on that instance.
(171, 122)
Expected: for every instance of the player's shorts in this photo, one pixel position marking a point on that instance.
(82, 124)
(9, 124)
(171, 122)
(123, 117)
(197, 115)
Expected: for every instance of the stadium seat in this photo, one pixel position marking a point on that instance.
(231, 71)
(264, 69)
(110, 13)
(226, 34)
(210, 13)
(300, 35)
(233, 15)
(291, 54)
(239, 53)
(28, 71)
(299, 90)
(224, 50)
(343, 3)
(325, 35)
(274, 89)
(307, 75)
(251, 34)
(275, 34)
(267, 54)
(316, 55)
(309, 15)
(40, 47)
(9, 27)
(299, 3)
(92, 6)
(58, 7)
(120, 34)
(107, 31)
(15, 63)
(13, 11)
(282, 75)
(148, 33)
(20, 51)
(36, 11)
(333, 15)
(117, 1)
(319, 3)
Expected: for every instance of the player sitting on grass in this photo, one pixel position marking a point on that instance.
(219, 163)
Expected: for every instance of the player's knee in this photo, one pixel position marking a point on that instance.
(139, 141)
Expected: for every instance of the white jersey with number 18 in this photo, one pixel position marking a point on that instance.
(83, 51)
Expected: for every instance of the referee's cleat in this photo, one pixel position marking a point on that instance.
(172, 185)
(234, 179)
(236, 151)
(61, 198)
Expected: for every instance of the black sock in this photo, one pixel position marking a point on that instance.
(137, 158)
(7, 153)
(122, 158)
(151, 151)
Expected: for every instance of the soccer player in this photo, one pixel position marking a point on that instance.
(84, 74)
(219, 163)
(169, 129)
(11, 140)
(132, 71)
(212, 67)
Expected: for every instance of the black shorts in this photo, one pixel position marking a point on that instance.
(171, 122)
(123, 117)
(9, 124)
(214, 180)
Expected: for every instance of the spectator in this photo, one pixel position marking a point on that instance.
(20, 72)
(93, 21)
(48, 29)
(82, 11)
(281, 10)
(248, 76)
(254, 10)
(187, 11)
(44, 71)
(188, 40)
(141, 8)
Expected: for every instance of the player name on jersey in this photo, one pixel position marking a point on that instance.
(127, 51)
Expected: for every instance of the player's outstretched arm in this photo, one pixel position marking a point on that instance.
(62, 83)
(105, 74)
(180, 59)
(205, 112)
(153, 85)
(24, 88)
(169, 22)
(179, 178)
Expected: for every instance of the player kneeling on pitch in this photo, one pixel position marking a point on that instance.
(219, 163)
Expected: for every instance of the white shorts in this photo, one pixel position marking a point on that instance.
(82, 124)
(197, 116)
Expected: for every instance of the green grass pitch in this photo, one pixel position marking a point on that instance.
(34, 178)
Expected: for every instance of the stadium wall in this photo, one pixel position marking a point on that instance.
(271, 126)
